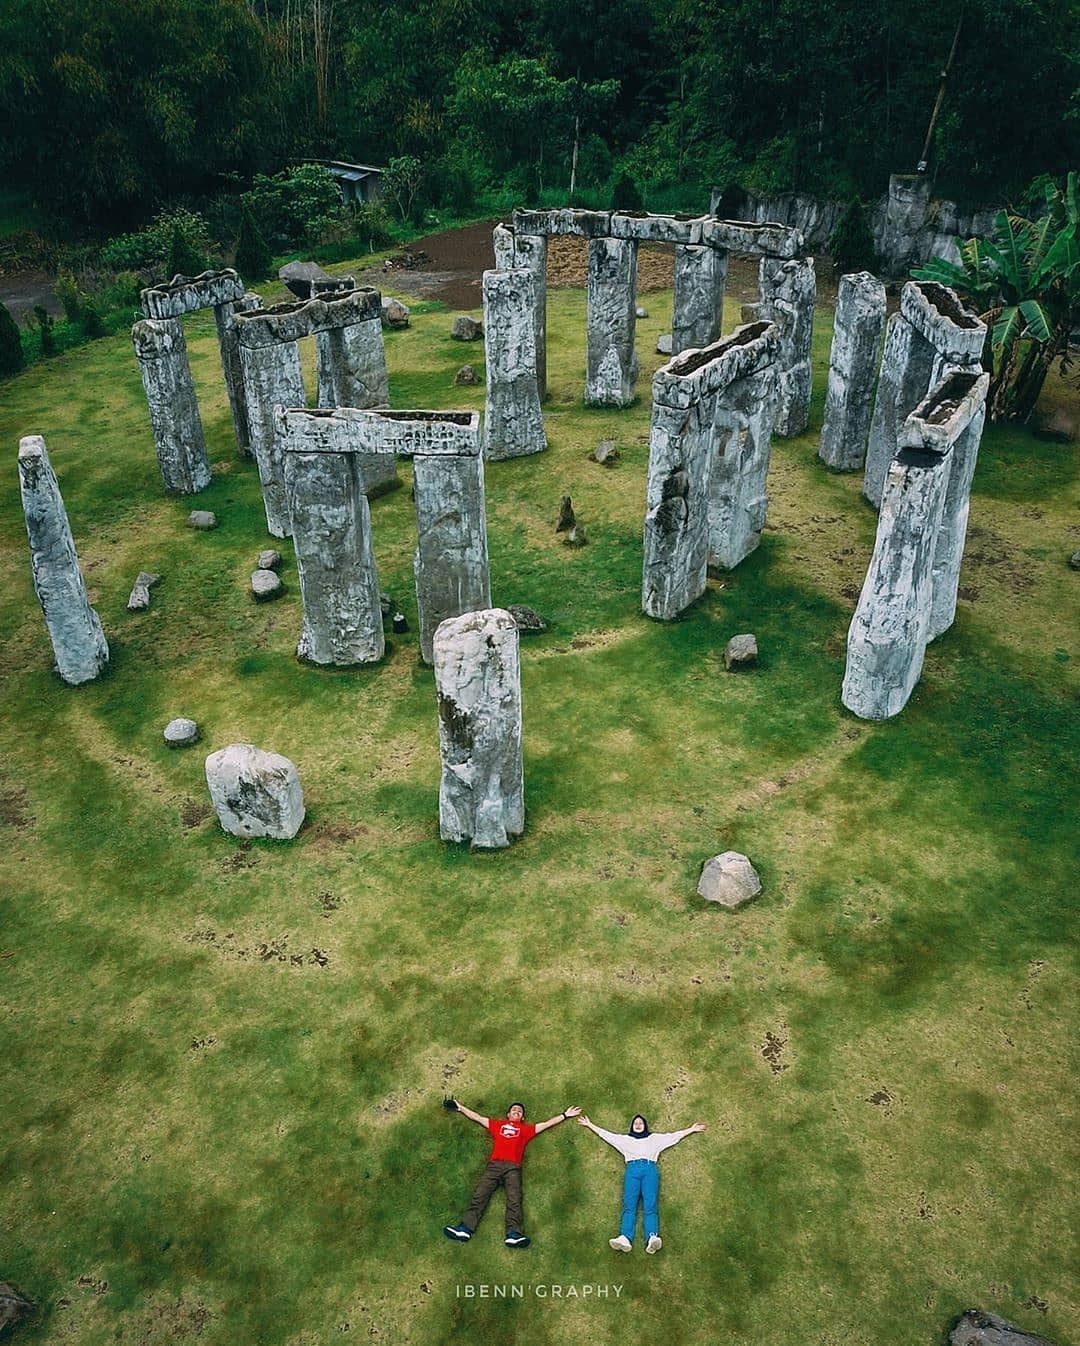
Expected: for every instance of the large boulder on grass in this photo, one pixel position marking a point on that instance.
(729, 879)
(394, 313)
(466, 328)
(255, 793)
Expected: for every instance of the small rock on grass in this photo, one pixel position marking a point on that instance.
(729, 879)
(139, 597)
(1074, 561)
(394, 313)
(180, 732)
(529, 621)
(740, 652)
(641, 312)
(265, 585)
(386, 603)
(576, 537)
(466, 328)
(605, 453)
(202, 518)
(466, 377)
(268, 560)
(663, 345)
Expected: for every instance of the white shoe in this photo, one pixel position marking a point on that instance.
(654, 1244)
(621, 1245)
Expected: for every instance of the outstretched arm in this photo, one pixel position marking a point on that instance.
(466, 1112)
(554, 1121)
(671, 1138)
(609, 1136)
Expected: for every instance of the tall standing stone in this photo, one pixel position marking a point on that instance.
(528, 252)
(513, 421)
(700, 277)
(788, 294)
(853, 366)
(272, 378)
(339, 584)
(161, 351)
(739, 472)
(229, 345)
(611, 315)
(930, 334)
(78, 642)
(350, 365)
(478, 682)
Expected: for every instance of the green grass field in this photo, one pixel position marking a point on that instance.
(224, 1061)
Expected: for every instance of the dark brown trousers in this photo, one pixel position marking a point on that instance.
(498, 1173)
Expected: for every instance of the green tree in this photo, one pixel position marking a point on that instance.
(183, 259)
(11, 351)
(626, 194)
(45, 326)
(1025, 281)
(851, 243)
(401, 182)
(295, 206)
(253, 260)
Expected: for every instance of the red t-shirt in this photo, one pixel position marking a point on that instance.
(510, 1139)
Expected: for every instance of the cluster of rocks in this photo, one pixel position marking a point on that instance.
(265, 581)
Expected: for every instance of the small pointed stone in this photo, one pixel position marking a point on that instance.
(566, 515)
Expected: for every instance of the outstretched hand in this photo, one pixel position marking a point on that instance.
(450, 1104)
(583, 1120)
(572, 1112)
(696, 1127)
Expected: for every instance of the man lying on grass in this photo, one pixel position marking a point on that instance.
(510, 1135)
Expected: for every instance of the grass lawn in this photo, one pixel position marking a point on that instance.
(224, 1061)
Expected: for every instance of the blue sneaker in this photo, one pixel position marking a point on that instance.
(457, 1231)
(516, 1240)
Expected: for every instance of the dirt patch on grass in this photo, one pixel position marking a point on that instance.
(773, 1049)
(193, 812)
(13, 808)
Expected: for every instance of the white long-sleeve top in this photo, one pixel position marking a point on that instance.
(649, 1147)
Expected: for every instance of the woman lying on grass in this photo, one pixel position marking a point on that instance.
(641, 1149)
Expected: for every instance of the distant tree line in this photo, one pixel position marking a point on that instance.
(113, 109)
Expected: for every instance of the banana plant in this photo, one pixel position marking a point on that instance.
(1025, 283)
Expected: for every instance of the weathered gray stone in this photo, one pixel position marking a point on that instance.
(528, 252)
(853, 366)
(174, 410)
(640, 312)
(931, 333)
(738, 479)
(665, 344)
(567, 518)
(78, 642)
(451, 562)
(335, 563)
(740, 652)
(229, 344)
(576, 537)
(645, 228)
(753, 239)
(255, 793)
(605, 453)
(529, 622)
(139, 598)
(700, 276)
(386, 604)
(730, 880)
(1074, 561)
(268, 560)
(272, 378)
(265, 585)
(788, 293)
(478, 682)
(513, 422)
(976, 1328)
(298, 277)
(890, 629)
(188, 294)
(202, 519)
(466, 328)
(563, 220)
(466, 377)
(394, 313)
(688, 518)
(350, 364)
(611, 363)
(14, 1307)
(181, 732)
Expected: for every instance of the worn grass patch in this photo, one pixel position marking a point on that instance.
(224, 1060)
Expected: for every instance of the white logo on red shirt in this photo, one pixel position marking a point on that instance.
(509, 1130)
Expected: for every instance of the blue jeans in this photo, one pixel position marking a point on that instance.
(642, 1183)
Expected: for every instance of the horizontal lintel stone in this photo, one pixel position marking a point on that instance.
(188, 294)
(290, 322)
(400, 433)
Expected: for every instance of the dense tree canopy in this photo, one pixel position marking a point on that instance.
(115, 107)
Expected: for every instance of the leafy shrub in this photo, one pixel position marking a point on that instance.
(124, 291)
(71, 296)
(851, 243)
(11, 351)
(45, 327)
(92, 321)
(292, 207)
(372, 225)
(253, 260)
(151, 247)
(183, 259)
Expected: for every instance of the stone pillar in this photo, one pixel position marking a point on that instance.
(513, 422)
(272, 377)
(964, 426)
(853, 366)
(339, 585)
(788, 293)
(451, 562)
(905, 214)
(930, 334)
(478, 681)
(888, 634)
(350, 365)
(229, 343)
(528, 252)
(611, 315)
(78, 642)
(700, 276)
(740, 452)
(174, 410)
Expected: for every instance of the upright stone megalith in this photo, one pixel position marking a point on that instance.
(611, 363)
(853, 366)
(916, 559)
(528, 252)
(78, 642)
(229, 344)
(741, 452)
(698, 314)
(272, 378)
(513, 421)
(161, 351)
(478, 682)
(788, 294)
(931, 333)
